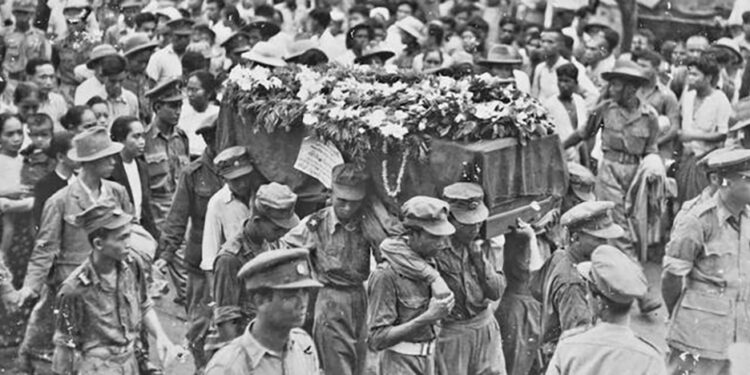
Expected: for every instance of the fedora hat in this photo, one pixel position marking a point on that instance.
(100, 51)
(628, 70)
(731, 45)
(502, 54)
(377, 51)
(266, 54)
(92, 144)
(412, 26)
(137, 42)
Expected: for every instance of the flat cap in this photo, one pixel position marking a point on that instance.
(279, 269)
(181, 26)
(101, 216)
(582, 181)
(169, 90)
(466, 200)
(349, 181)
(593, 218)
(233, 162)
(730, 161)
(615, 275)
(428, 213)
(276, 202)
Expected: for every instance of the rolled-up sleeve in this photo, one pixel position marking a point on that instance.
(299, 236)
(684, 246)
(381, 309)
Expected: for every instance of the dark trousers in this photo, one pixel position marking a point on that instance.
(340, 330)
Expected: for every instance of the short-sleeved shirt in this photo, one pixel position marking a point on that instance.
(633, 133)
(125, 105)
(710, 116)
(664, 102)
(246, 356)
(55, 106)
(166, 156)
(164, 64)
(88, 89)
(225, 214)
(394, 299)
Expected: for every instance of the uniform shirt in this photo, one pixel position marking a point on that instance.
(196, 187)
(394, 299)
(606, 349)
(224, 217)
(711, 116)
(88, 89)
(124, 105)
(632, 133)
(95, 314)
(164, 64)
(22, 46)
(59, 242)
(710, 247)
(166, 156)
(246, 356)
(562, 292)
(340, 254)
(459, 273)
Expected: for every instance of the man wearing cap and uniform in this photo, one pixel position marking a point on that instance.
(196, 186)
(278, 283)
(558, 285)
(232, 204)
(403, 312)
(581, 187)
(74, 46)
(23, 42)
(94, 85)
(117, 32)
(610, 347)
(340, 253)
(705, 263)
(103, 306)
(165, 63)
(629, 131)
(167, 150)
(273, 215)
(503, 62)
(137, 49)
(61, 246)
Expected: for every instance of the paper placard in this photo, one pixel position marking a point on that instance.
(317, 159)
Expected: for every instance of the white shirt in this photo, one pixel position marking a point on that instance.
(88, 89)
(224, 217)
(711, 116)
(134, 179)
(164, 64)
(189, 121)
(56, 107)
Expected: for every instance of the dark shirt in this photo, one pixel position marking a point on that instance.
(36, 165)
(119, 176)
(44, 189)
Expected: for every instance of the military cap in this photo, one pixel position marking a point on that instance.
(181, 26)
(169, 90)
(28, 6)
(466, 201)
(582, 181)
(703, 162)
(276, 202)
(279, 269)
(232, 38)
(101, 216)
(234, 162)
(430, 214)
(592, 218)
(349, 182)
(731, 161)
(614, 275)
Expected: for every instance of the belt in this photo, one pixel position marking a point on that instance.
(414, 348)
(621, 157)
(110, 351)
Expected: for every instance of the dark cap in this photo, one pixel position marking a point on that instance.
(267, 29)
(169, 90)
(349, 181)
(428, 213)
(615, 275)
(593, 218)
(582, 181)
(101, 216)
(731, 161)
(181, 26)
(276, 202)
(466, 202)
(279, 269)
(233, 162)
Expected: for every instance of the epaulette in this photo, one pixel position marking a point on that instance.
(703, 207)
(84, 279)
(574, 332)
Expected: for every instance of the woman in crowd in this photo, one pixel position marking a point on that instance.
(26, 99)
(472, 43)
(78, 118)
(101, 110)
(358, 38)
(434, 41)
(200, 106)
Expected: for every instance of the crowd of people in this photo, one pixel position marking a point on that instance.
(113, 176)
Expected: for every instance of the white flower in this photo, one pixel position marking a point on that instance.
(375, 118)
(394, 130)
(485, 110)
(309, 119)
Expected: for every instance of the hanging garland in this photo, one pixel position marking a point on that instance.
(393, 192)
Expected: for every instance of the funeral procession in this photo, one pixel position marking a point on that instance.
(375, 187)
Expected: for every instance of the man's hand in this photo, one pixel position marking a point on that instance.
(167, 351)
(24, 295)
(439, 308)
(10, 302)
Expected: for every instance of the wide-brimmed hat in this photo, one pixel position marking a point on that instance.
(267, 28)
(137, 42)
(92, 144)
(299, 47)
(170, 12)
(412, 26)
(502, 54)
(627, 70)
(377, 51)
(266, 54)
(101, 51)
(730, 45)
(231, 38)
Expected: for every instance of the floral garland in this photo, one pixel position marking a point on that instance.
(361, 108)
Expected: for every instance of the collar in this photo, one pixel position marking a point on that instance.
(724, 211)
(208, 161)
(156, 131)
(333, 221)
(89, 273)
(560, 61)
(255, 350)
(227, 196)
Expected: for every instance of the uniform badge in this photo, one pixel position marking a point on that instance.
(302, 269)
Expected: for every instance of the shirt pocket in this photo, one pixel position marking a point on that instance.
(703, 321)
(411, 305)
(637, 138)
(203, 193)
(158, 164)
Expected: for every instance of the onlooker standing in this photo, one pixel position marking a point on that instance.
(568, 111)
(23, 42)
(78, 118)
(42, 72)
(58, 178)
(137, 50)
(199, 108)
(120, 101)
(165, 63)
(599, 56)
(94, 85)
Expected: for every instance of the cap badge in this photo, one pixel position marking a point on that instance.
(473, 205)
(302, 269)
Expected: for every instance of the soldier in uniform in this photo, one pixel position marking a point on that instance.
(704, 283)
(403, 312)
(273, 215)
(610, 347)
(74, 47)
(23, 42)
(196, 186)
(167, 152)
(137, 49)
(558, 285)
(340, 253)
(61, 246)
(581, 188)
(278, 283)
(103, 304)
(629, 130)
